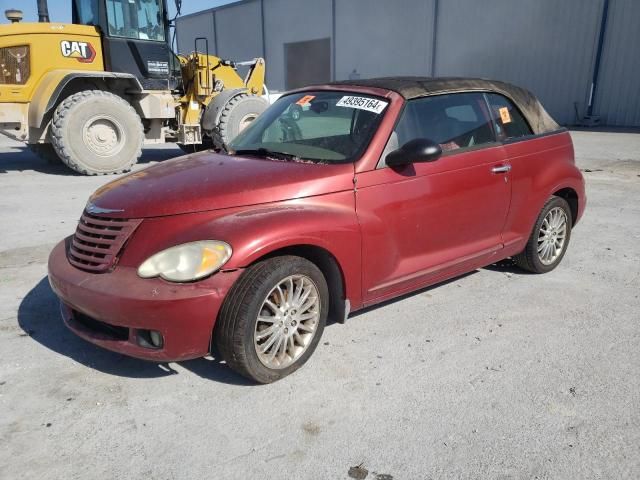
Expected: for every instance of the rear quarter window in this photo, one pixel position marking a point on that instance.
(508, 121)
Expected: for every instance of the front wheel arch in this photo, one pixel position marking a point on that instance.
(330, 268)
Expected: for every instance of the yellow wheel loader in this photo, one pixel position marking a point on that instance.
(92, 93)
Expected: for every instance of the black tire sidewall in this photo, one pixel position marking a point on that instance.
(297, 265)
(242, 106)
(532, 246)
(70, 129)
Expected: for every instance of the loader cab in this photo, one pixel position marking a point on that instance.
(135, 37)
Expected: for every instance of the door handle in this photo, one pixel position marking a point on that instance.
(501, 169)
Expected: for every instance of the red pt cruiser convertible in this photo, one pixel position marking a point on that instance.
(337, 197)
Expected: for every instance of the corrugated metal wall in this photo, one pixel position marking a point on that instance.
(239, 31)
(618, 93)
(192, 26)
(547, 46)
(376, 38)
(287, 21)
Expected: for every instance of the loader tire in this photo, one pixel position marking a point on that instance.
(46, 152)
(239, 112)
(97, 133)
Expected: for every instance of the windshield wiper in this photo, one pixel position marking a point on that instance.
(266, 153)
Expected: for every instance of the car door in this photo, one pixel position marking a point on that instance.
(426, 221)
(531, 158)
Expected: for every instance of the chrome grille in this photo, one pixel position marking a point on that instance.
(97, 242)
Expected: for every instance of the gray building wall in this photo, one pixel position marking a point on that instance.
(618, 91)
(547, 46)
(292, 21)
(239, 31)
(377, 38)
(192, 26)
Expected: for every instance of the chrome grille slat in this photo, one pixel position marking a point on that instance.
(82, 246)
(98, 241)
(96, 230)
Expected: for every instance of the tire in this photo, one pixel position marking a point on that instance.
(535, 257)
(46, 152)
(239, 328)
(235, 116)
(97, 133)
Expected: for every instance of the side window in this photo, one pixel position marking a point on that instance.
(86, 12)
(455, 121)
(508, 120)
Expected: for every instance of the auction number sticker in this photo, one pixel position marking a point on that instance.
(362, 103)
(504, 115)
(306, 100)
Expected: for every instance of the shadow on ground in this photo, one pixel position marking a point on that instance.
(19, 159)
(39, 318)
(507, 266)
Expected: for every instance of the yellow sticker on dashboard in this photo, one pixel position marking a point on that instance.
(504, 115)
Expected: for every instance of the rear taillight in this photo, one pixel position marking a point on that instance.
(14, 65)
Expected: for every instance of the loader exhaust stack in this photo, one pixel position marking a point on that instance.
(43, 11)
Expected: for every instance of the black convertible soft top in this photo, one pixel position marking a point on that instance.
(414, 87)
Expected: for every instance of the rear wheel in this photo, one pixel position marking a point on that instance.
(550, 238)
(97, 133)
(236, 115)
(273, 318)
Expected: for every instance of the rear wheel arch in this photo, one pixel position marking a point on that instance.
(571, 197)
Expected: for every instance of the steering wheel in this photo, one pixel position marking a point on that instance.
(290, 129)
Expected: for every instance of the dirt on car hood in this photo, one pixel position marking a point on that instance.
(210, 181)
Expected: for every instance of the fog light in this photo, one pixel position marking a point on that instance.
(150, 339)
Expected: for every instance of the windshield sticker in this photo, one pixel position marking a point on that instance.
(362, 103)
(504, 115)
(305, 100)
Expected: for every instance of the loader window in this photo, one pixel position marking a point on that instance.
(139, 19)
(85, 12)
(324, 126)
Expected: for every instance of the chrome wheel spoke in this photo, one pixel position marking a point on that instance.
(267, 319)
(266, 332)
(306, 328)
(272, 306)
(270, 342)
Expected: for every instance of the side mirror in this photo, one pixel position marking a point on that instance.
(416, 150)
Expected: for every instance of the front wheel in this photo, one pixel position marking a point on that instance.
(273, 318)
(550, 238)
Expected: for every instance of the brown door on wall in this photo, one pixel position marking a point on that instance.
(307, 62)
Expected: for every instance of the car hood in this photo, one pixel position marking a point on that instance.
(210, 181)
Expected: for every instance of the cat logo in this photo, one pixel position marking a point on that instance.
(81, 51)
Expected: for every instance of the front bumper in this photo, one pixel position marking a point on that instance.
(115, 309)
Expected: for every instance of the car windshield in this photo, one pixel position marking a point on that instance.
(323, 126)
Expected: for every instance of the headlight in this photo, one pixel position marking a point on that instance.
(187, 262)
